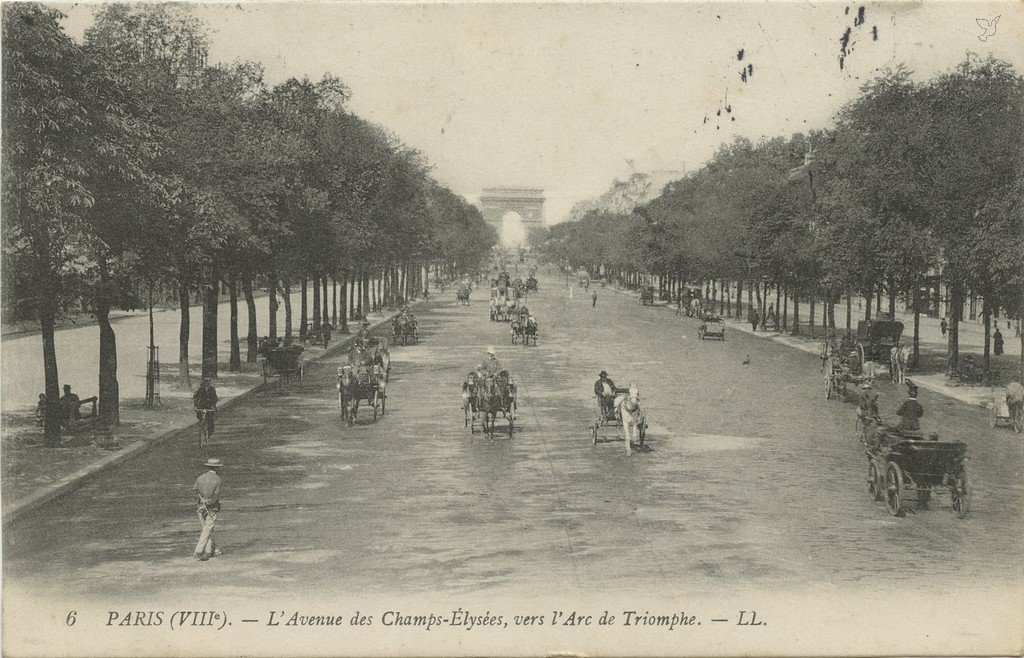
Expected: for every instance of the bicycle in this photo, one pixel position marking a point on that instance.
(205, 425)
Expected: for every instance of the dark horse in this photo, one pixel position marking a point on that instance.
(496, 395)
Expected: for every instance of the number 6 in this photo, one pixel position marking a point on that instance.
(70, 621)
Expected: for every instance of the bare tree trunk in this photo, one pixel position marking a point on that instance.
(986, 313)
(185, 329)
(235, 358)
(359, 293)
(109, 392)
(252, 337)
(956, 303)
(796, 313)
(304, 311)
(316, 306)
(849, 311)
(342, 315)
(53, 415)
(211, 294)
(287, 295)
(327, 311)
(274, 305)
(334, 300)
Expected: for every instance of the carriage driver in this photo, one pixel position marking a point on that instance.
(868, 406)
(910, 411)
(492, 366)
(604, 389)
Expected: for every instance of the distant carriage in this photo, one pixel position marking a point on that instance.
(524, 330)
(358, 384)
(282, 362)
(485, 399)
(405, 329)
(462, 296)
(531, 284)
(711, 326)
(647, 296)
(875, 340)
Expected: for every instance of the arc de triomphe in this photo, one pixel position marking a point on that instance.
(513, 211)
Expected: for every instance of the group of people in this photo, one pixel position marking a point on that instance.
(907, 423)
(70, 407)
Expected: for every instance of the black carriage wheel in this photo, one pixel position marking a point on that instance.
(642, 431)
(960, 493)
(874, 481)
(511, 426)
(894, 489)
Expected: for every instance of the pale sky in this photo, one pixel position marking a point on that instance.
(560, 96)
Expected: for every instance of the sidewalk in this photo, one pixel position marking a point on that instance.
(977, 396)
(29, 480)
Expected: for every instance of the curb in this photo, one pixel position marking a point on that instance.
(80, 477)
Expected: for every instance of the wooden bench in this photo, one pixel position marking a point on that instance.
(92, 411)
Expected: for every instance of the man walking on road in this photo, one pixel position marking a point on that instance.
(593, 299)
(207, 490)
(754, 318)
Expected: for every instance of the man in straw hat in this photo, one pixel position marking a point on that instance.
(207, 489)
(492, 366)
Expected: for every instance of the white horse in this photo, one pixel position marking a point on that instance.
(632, 415)
(899, 357)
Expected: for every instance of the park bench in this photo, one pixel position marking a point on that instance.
(81, 403)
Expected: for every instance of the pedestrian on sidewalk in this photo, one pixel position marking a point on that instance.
(207, 490)
(593, 299)
(943, 326)
(997, 343)
(754, 318)
(325, 333)
(770, 318)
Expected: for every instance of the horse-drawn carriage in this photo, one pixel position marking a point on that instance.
(583, 279)
(462, 295)
(902, 462)
(485, 398)
(524, 329)
(404, 328)
(711, 326)
(622, 410)
(1008, 408)
(282, 362)
(360, 383)
(647, 296)
(531, 284)
(875, 340)
(502, 310)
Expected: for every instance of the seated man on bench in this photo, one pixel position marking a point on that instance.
(69, 404)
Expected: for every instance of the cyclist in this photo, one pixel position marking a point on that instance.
(205, 400)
